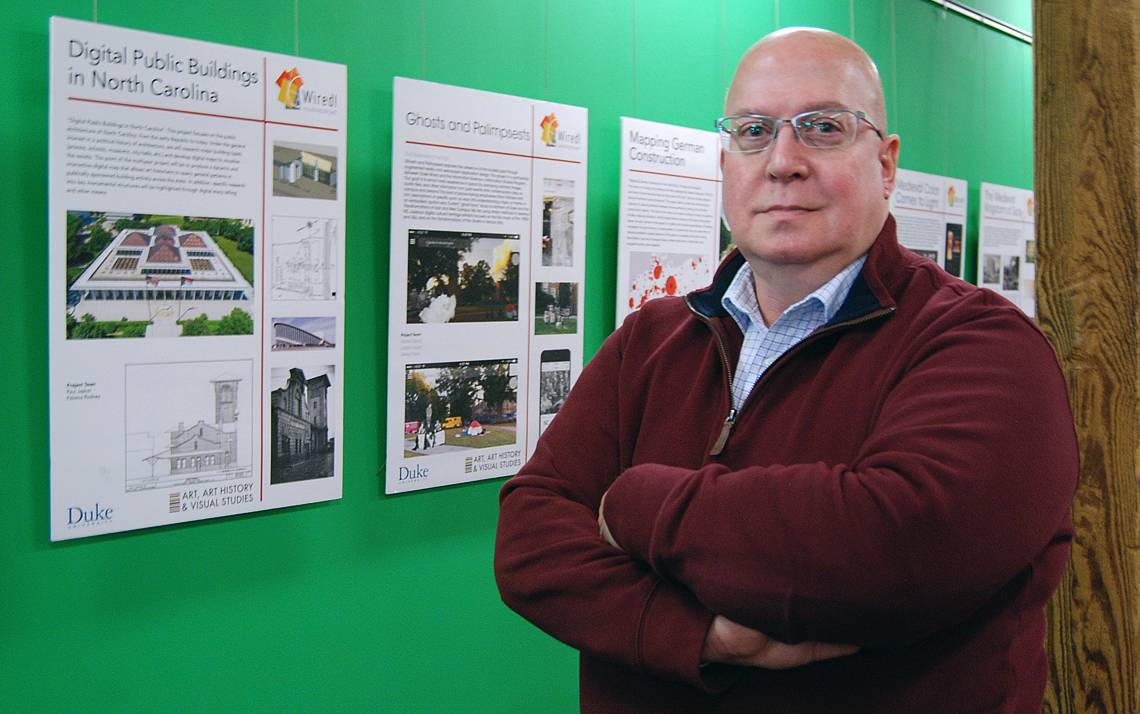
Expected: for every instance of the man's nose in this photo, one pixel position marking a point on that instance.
(786, 160)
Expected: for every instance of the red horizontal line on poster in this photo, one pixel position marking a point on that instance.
(1008, 220)
(200, 114)
(489, 151)
(161, 109)
(929, 210)
(662, 173)
(302, 126)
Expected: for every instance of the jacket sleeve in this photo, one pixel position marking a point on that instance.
(955, 493)
(554, 569)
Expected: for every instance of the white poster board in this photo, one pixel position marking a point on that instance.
(931, 214)
(487, 269)
(1007, 250)
(196, 257)
(669, 219)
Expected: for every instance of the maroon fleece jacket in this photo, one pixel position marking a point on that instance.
(900, 480)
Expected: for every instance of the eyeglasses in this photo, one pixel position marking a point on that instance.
(818, 129)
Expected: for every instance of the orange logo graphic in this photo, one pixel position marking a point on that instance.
(1029, 206)
(950, 193)
(288, 84)
(548, 124)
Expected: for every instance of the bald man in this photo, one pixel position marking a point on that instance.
(837, 479)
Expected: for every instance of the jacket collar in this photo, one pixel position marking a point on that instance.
(871, 290)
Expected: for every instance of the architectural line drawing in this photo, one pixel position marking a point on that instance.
(303, 259)
(210, 448)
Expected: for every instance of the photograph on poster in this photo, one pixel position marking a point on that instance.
(1011, 273)
(302, 258)
(301, 440)
(1031, 251)
(557, 222)
(454, 406)
(991, 269)
(931, 255)
(304, 170)
(653, 275)
(303, 333)
(553, 384)
(555, 308)
(462, 277)
(145, 275)
(953, 260)
(187, 422)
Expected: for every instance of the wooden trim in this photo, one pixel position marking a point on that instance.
(1088, 301)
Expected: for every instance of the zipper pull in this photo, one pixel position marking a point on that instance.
(725, 430)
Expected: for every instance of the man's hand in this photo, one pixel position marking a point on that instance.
(728, 642)
(603, 529)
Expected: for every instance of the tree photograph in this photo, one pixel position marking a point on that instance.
(462, 277)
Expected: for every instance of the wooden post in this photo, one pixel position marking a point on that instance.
(1087, 124)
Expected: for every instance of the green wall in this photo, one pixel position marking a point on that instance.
(374, 602)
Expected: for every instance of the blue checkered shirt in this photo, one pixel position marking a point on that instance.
(763, 345)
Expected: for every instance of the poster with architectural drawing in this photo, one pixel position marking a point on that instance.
(930, 211)
(196, 314)
(487, 264)
(1007, 249)
(669, 216)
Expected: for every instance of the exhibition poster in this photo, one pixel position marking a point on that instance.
(487, 267)
(196, 262)
(931, 214)
(1007, 250)
(669, 216)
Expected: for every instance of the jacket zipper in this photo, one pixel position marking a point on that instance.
(730, 419)
(725, 430)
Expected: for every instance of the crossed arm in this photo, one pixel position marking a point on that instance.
(729, 642)
(951, 497)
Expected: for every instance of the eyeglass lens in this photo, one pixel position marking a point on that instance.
(823, 130)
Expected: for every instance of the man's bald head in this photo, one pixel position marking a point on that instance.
(799, 212)
(832, 52)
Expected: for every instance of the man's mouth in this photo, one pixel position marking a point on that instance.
(781, 209)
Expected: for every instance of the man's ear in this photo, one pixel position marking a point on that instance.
(888, 162)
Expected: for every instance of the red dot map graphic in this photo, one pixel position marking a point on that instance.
(675, 275)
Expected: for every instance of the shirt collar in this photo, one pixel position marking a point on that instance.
(740, 297)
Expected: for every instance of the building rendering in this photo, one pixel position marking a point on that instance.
(290, 165)
(287, 336)
(161, 263)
